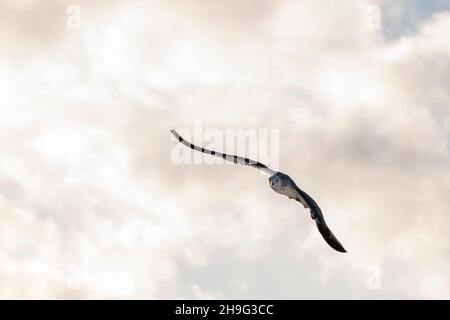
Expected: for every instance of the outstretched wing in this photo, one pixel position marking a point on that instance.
(317, 215)
(328, 235)
(227, 157)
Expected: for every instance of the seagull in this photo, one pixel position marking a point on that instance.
(280, 183)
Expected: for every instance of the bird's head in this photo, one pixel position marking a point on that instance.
(275, 182)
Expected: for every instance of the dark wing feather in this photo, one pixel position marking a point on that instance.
(317, 215)
(328, 235)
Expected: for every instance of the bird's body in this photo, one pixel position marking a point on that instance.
(281, 183)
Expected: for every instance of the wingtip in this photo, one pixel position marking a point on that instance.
(337, 246)
(328, 236)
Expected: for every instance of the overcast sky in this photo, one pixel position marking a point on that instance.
(92, 205)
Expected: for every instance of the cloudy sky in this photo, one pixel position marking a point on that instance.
(92, 204)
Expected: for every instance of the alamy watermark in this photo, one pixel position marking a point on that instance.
(256, 144)
(73, 21)
(373, 19)
(74, 278)
(373, 281)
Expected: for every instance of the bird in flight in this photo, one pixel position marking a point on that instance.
(280, 183)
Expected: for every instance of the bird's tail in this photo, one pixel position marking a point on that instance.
(328, 235)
